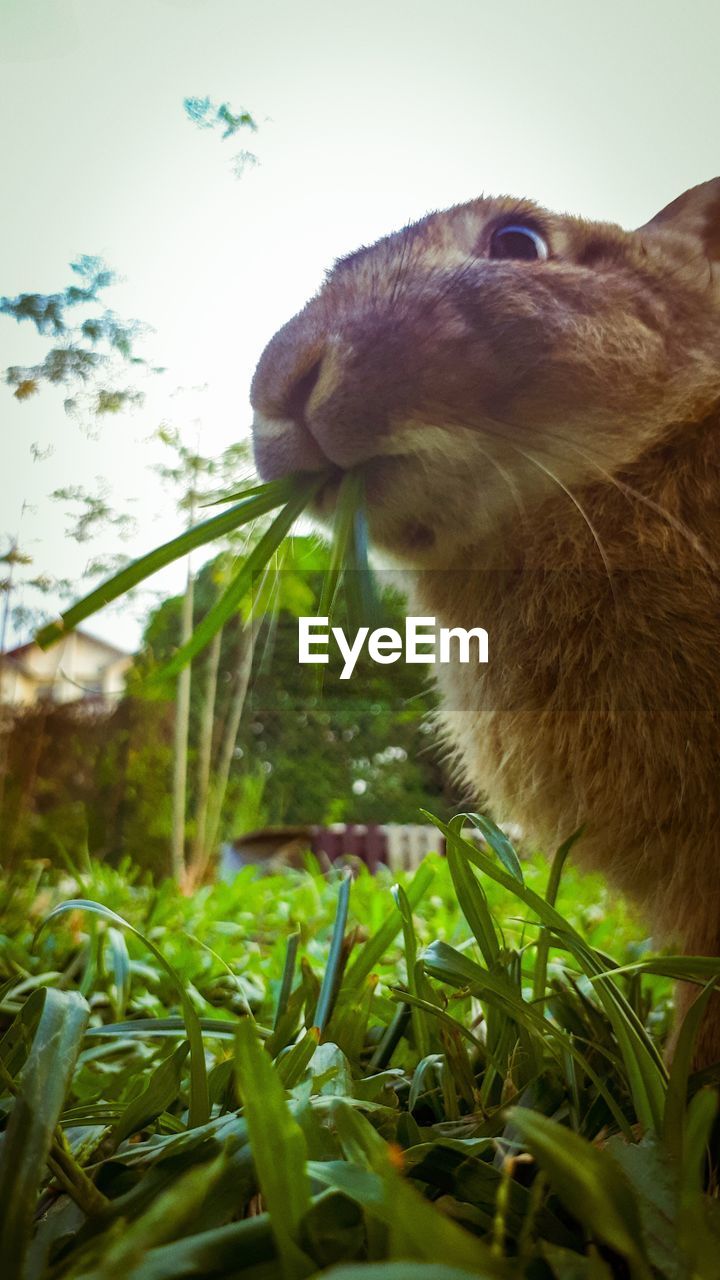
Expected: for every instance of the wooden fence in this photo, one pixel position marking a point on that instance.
(398, 847)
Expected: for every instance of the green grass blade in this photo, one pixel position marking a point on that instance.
(199, 1096)
(43, 1085)
(15, 1044)
(404, 1271)
(278, 1147)
(158, 1095)
(701, 1116)
(170, 1215)
(698, 969)
(284, 488)
(434, 1011)
(551, 893)
(231, 598)
(214, 1254)
(448, 965)
(291, 1065)
(647, 1075)
(348, 500)
(473, 903)
(590, 1184)
(498, 842)
(170, 1028)
(374, 949)
(333, 974)
(120, 961)
(361, 587)
(417, 1229)
(420, 1026)
(676, 1097)
(287, 976)
(350, 1018)
(259, 503)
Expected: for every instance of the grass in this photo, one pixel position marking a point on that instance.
(459, 1074)
(288, 497)
(296, 1075)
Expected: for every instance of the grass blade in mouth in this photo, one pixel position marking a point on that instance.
(256, 502)
(349, 556)
(230, 600)
(348, 561)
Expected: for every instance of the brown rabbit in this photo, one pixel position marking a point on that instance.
(535, 402)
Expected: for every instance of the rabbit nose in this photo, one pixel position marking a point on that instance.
(314, 401)
(299, 392)
(288, 372)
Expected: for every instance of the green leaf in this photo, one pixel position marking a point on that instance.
(447, 964)
(590, 1184)
(292, 1064)
(349, 556)
(160, 1092)
(211, 1253)
(278, 1148)
(333, 973)
(169, 1215)
(417, 1229)
(171, 1028)
(421, 1027)
(498, 842)
(551, 892)
(701, 1116)
(199, 1097)
(287, 976)
(654, 1177)
(473, 903)
(334, 1229)
(15, 1044)
(120, 961)
(43, 1084)
(374, 949)
(676, 1097)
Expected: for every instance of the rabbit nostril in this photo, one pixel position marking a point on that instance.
(301, 390)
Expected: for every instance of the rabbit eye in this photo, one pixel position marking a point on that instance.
(519, 243)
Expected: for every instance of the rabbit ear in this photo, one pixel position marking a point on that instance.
(696, 213)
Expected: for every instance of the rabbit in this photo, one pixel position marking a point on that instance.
(534, 402)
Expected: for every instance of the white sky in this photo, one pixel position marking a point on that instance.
(371, 113)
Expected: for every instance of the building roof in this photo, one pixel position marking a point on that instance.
(20, 650)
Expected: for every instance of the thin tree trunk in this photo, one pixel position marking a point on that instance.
(180, 752)
(5, 720)
(232, 728)
(198, 857)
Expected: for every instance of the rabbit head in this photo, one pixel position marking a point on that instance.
(484, 354)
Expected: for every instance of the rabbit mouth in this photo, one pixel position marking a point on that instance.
(285, 447)
(393, 524)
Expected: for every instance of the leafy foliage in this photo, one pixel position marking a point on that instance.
(207, 114)
(93, 350)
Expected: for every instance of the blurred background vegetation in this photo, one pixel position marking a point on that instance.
(294, 751)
